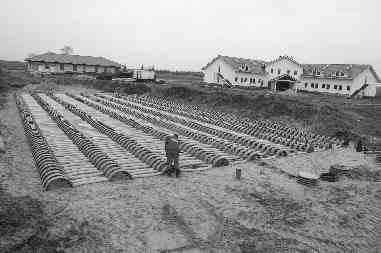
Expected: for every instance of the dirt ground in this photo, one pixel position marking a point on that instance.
(210, 211)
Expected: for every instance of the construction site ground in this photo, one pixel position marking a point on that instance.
(268, 210)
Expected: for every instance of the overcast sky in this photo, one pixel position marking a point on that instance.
(186, 34)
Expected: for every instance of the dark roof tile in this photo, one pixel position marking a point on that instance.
(254, 66)
(74, 59)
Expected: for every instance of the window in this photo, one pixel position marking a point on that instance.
(288, 72)
(236, 79)
(323, 85)
(46, 66)
(278, 71)
(335, 87)
(328, 86)
(316, 85)
(96, 69)
(317, 73)
(241, 79)
(295, 72)
(250, 80)
(61, 66)
(305, 85)
(337, 73)
(219, 69)
(342, 73)
(348, 88)
(245, 79)
(74, 67)
(272, 70)
(253, 80)
(312, 85)
(340, 87)
(247, 68)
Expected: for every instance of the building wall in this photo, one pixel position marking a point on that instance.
(236, 78)
(368, 77)
(378, 91)
(320, 83)
(56, 68)
(90, 69)
(210, 73)
(249, 79)
(80, 68)
(283, 66)
(68, 67)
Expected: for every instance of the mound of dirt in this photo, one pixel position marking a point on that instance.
(24, 227)
(322, 114)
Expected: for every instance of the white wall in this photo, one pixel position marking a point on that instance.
(367, 76)
(330, 82)
(256, 80)
(89, 68)
(236, 78)
(210, 73)
(283, 65)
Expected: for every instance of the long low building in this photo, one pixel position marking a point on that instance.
(284, 73)
(65, 63)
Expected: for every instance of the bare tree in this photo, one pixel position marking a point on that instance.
(67, 50)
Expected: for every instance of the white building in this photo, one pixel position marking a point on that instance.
(284, 73)
(64, 63)
(144, 74)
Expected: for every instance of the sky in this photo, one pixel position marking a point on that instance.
(187, 34)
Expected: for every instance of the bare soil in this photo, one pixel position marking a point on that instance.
(210, 211)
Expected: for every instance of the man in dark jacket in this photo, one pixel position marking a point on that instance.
(172, 151)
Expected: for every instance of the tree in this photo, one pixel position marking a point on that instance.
(67, 50)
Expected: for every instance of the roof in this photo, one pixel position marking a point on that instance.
(254, 66)
(350, 71)
(285, 57)
(73, 59)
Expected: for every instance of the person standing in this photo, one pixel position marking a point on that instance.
(172, 151)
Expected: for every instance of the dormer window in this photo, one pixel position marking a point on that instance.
(244, 67)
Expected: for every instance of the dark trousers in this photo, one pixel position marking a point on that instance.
(173, 162)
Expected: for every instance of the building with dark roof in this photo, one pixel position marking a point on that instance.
(284, 73)
(64, 63)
